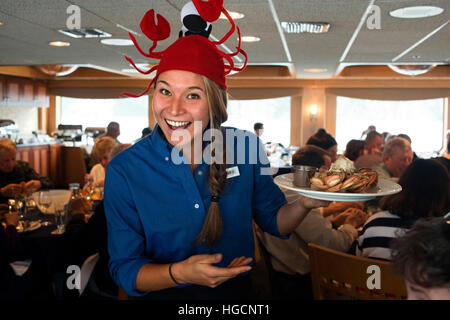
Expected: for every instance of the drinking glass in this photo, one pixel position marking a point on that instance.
(45, 200)
(59, 218)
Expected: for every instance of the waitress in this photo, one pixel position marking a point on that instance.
(180, 202)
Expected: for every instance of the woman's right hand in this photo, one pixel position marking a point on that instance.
(199, 270)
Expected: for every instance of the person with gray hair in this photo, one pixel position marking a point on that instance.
(422, 256)
(397, 156)
(17, 177)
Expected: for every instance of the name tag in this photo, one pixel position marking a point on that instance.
(232, 172)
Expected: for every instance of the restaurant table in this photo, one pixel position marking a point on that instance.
(48, 252)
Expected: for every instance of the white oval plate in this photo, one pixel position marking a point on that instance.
(384, 188)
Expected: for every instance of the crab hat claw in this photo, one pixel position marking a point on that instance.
(209, 10)
(158, 31)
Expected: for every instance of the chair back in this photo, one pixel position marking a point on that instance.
(337, 275)
(86, 271)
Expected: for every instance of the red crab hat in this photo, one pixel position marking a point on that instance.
(194, 51)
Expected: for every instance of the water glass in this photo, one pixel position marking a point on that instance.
(59, 220)
(45, 201)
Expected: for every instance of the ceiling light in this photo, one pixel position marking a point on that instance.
(411, 69)
(85, 33)
(117, 42)
(416, 12)
(59, 44)
(233, 14)
(1, 23)
(302, 27)
(315, 70)
(57, 70)
(250, 39)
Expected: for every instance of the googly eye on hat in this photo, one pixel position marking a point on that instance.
(192, 51)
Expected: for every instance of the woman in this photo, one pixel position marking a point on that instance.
(354, 149)
(325, 141)
(425, 193)
(178, 214)
(102, 149)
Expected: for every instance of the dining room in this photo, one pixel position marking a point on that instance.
(148, 157)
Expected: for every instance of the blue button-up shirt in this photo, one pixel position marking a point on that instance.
(155, 207)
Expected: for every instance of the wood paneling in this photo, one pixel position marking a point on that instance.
(22, 92)
(46, 160)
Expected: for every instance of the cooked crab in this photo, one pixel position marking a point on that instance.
(343, 176)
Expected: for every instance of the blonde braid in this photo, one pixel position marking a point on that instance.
(212, 227)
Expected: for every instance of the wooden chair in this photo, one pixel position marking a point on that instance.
(337, 275)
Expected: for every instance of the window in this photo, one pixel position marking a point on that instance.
(275, 114)
(421, 120)
(130, 113)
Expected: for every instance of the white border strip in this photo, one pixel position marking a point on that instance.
(355, 33)
(420, 41)
(280, 30)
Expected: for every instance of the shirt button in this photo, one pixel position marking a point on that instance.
(200, 173)
(196, 206)
(166, 158)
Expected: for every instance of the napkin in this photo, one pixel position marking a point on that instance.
(20, 267)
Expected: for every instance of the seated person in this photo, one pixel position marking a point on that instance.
(10, 251)
(422, 256)
(86, 238)
(289, 257)
(425, 193)
(146, 132)
(397, 156)
(101, 150)
(373, 151)
(324, 140)
(17, 177)
(405, 136)
(354, 149)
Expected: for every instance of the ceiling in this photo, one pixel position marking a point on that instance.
(29, 25)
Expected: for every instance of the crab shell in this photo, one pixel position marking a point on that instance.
(338, 181)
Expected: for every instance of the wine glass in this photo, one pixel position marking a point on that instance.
(45, 200)
(59, 217)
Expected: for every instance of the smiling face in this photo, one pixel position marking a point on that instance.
(179, 100)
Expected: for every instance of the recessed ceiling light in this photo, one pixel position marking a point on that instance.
(59, 44)
(250, 39)
(117, 42)
(303, 27)
(315, 70)
(1, 23)
(416, 12)
(233, 14)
